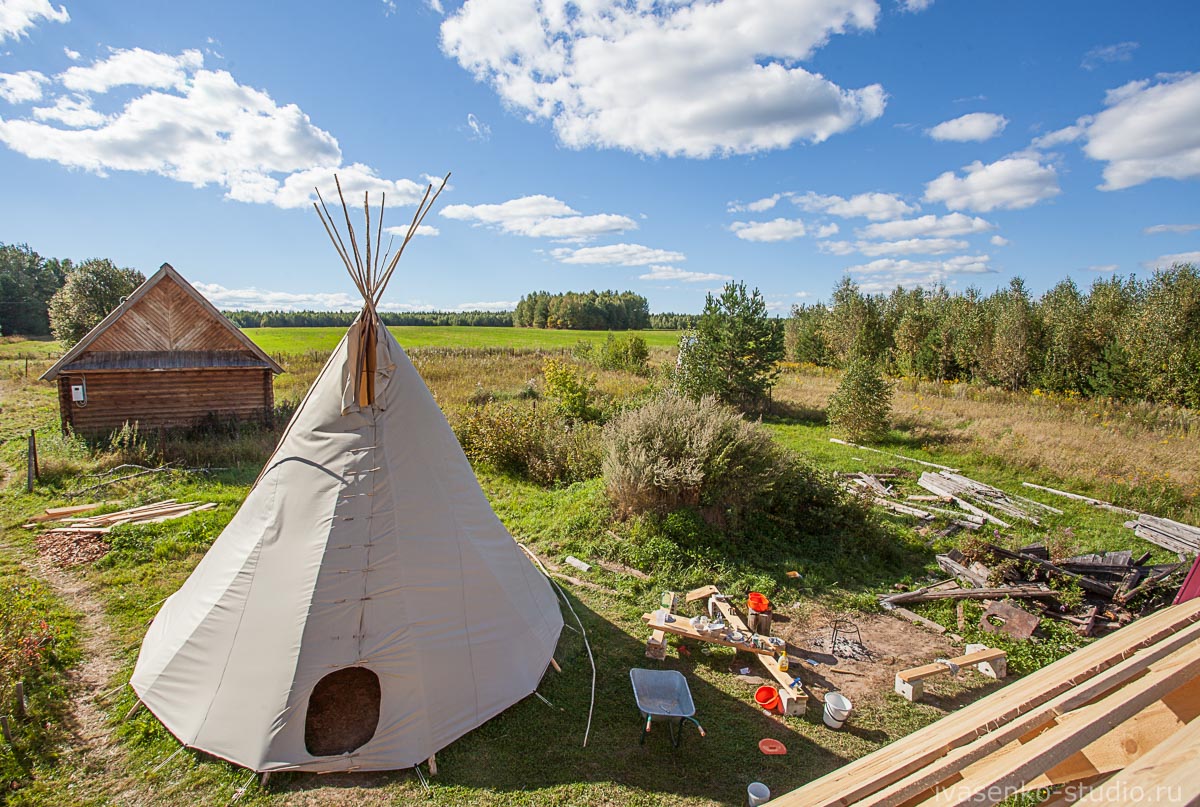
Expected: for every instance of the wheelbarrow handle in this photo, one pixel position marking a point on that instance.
(698, 726)
(649, 721)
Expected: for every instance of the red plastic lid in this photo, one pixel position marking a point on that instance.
(770, 746)
(758, 602)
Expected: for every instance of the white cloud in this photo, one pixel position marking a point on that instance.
(1148, 131)
(436, 5)
(674, 273)
(1067, 134)
(74, 112)
(541, 216)
(622, 254)
(479, 129)
(915, 6)
(929, 225)
(758, 206)
(296, 190)
(911, 246)
(999, 241)
(826, 230)
(976, 126)
(1101, 54)
(719, 77)
(205, 129)
(18, 16)
(422, 229)
(837, 247)
(1108, 267)
(73, 55)
(17, 88)
(253, 299)
(389, 7)
(886, 273)
(1166, 261)
(780, 229)
(1011, 183)
(872, 206)
(497, 305)
(1159, 229)
(136, 67)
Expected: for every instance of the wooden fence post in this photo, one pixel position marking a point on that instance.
(31, 472)
(5, 730)
(20, 693)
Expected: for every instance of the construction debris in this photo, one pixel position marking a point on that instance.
(1016, 622)
(81, 538)
(1173, 535)
(154, 513)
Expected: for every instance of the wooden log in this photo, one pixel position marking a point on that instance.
(917, 619)
(1085, 499)
(903, 509)
(994, 593)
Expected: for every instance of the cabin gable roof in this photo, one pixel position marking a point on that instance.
(165, 315)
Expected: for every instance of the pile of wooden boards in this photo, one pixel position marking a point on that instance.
(1182, 539)
(1110, 721)
(1110, 581)
(155, 513)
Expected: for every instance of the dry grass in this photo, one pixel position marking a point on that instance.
(1093, 440)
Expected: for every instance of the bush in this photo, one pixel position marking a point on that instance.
(530, 441)
(91, 291)
(570, 389)
(862, 403)
(675, 452)
(628, 353)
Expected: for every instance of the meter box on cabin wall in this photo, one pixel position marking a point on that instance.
(79, 393)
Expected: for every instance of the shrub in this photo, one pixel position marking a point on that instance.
(570, 389)
(534, 442)
(675, 452)
(628, 353)
(862, 403)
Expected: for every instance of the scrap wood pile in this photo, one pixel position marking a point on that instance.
(977, 503)
(80, 538)
(1110, 582)
(1106, 723)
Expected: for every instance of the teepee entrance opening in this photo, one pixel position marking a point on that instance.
(343, 712)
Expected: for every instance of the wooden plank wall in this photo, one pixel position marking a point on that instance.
(166, 318)
(167, 398)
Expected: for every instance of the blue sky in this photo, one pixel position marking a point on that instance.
(659, 147)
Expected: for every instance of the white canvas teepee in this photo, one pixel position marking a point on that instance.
(365, 607)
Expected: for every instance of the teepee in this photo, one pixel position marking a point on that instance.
(365, 607)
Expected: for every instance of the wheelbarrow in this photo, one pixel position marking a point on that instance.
(664, 694)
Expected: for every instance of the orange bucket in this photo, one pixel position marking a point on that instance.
(758, 602)
(768, 698)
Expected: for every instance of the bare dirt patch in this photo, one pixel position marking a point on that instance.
(890, 645)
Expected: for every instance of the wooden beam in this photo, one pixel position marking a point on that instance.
(681, 627)
(1166, 775)
(930, 755)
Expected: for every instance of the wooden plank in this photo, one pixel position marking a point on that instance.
(1019, 707)
(898, 456)
(947, 762)
(1165, 775)
(1093, 586)
(767, 661)
(1128, 742)
(1005, 772)
(1085, 499)
(680, 627)
(701, 593)
(1017, 592)
(917, 619)
(951, 566)
(930, 670)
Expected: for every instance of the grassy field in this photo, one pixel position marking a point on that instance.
(77, 750)
(296, 340)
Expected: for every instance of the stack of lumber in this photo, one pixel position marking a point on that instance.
(155, 513)
(1173, 535)
(970, 495)
(1112, 720)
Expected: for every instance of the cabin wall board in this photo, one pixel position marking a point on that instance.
(166, 398)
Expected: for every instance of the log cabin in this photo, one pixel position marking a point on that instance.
(164, 358)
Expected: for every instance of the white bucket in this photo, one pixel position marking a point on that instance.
(757, 793)
(837, 709)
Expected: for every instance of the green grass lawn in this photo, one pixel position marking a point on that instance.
(298, 340)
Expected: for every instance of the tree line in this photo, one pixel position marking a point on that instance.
(1124, 337)
(342, 319)
(587, 311)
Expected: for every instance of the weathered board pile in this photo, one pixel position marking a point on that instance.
(80, 539)
(1112, 723)
(1181, 538)
(1110, 582)
(154, 513)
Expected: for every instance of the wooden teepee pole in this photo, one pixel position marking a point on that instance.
(418, 217)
